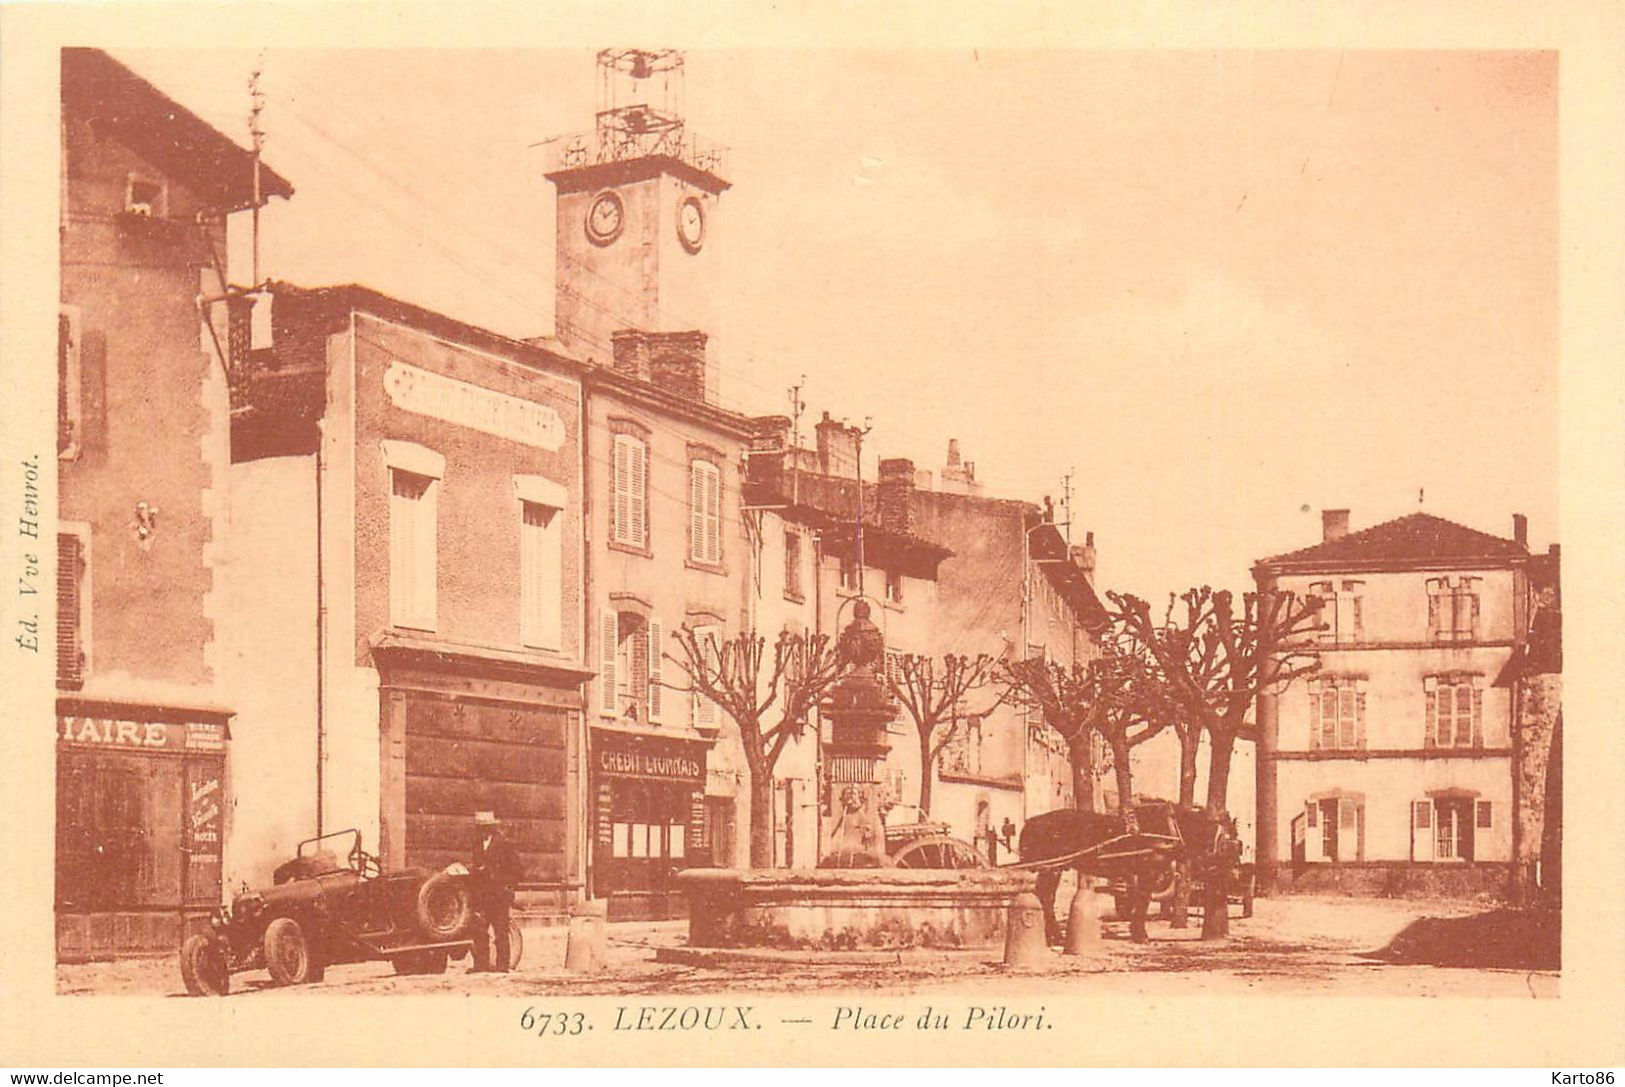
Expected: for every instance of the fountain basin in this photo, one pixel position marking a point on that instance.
(849, 909)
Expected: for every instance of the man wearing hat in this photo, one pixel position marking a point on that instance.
(492, 874)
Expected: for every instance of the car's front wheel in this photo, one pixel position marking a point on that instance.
(287, 953)
(203, 967)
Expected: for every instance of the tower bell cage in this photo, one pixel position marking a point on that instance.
(640, 114)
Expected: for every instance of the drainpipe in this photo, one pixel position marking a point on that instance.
(584, 830)
(818, 734)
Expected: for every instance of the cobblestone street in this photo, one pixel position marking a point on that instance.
(1292, 944)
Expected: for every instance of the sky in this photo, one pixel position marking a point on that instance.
(1224, 290)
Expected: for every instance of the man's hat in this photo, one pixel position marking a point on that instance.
(486, 819)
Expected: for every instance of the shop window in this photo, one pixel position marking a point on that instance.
(69, 385)
(1336, 714)
(1454, 708)
(629, 666)
(540, 575)
(704, 512)
(792, 565)
(629, 492)
(72, 610)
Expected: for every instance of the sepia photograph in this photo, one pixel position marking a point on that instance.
(948, 529)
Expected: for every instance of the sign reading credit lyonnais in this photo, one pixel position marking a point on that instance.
(641, 763)
(424, 392)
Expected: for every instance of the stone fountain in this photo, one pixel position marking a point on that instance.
(854, 900)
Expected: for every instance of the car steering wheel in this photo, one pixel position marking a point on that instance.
(365, 862)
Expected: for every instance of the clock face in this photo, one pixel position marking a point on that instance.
(605, 217)
(691, 223)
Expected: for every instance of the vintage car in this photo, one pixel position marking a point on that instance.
(319, 912)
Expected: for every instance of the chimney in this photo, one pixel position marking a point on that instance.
(1083, 557)
(953, 452)
(837, 448)
(1334, 525)
(895, 495)
(1520, 530)
(673, 361)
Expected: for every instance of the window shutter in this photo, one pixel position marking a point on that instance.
(608, 642)
(620, 474)
(1328, 717)
(1485, 819)
(1347, 733)
(657, 651)
(70, 657)
(639, 493)
(1421, 830)
(1346, 817)
(1435, 589)
(1359, 617)
(1314, 714)
(713, 514)
(1312, 811)
(1430, 687)
(1359, 714)
(1478, 716)
(696, 510)
(707, 714)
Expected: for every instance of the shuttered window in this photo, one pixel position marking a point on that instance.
(608, 654)
(1337, 714)
(707, 715)
(71, 609)
(69, 385)
(540, 576)
(655, 646)
(629, 492)
(792, 565)
(412, 550)
(704, 512)
(1455, 712)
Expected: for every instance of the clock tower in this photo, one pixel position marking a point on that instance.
(637, 216)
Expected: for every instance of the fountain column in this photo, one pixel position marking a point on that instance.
(858, 709)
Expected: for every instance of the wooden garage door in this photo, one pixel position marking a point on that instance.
(467, 754)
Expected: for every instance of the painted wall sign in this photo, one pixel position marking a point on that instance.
(92, 731)
(424, 392)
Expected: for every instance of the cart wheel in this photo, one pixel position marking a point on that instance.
(287, 953)
(203, 967)
(938, 851)
(516, 945)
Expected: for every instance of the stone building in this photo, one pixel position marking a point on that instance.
(405, 612)
(144, 773)
(1391, 768)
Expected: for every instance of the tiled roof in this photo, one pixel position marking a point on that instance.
(1416, 537)
(171, 137)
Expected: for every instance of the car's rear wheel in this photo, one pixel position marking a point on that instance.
(444, 906)
(287, 953)
(516, 945)
(203, 967)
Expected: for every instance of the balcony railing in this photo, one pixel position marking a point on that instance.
(623, 144)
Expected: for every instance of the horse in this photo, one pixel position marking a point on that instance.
(1101, 844)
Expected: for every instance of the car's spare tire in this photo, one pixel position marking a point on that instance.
(444, 906)
(203, 967)
(287, 952)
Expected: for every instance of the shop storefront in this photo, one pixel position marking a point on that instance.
(649, 817)
(140, 808)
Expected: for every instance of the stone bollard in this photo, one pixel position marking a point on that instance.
(584, 947)
(1083, 921)
(1024, 940)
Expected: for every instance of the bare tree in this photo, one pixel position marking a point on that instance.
(1214, 659)
(933, 691)
(1115, 696)
(729, 672)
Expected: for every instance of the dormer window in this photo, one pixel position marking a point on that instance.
(144, 197)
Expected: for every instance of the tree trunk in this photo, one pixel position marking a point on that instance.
(1123, 773)
(1190, 743)
(927, 772)
(1216, 900)
(761, 817)
(1082, 757)
(1223, 745)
